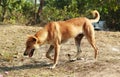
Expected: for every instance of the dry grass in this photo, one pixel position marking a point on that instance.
(14, 64)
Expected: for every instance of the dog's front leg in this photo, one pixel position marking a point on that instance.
(49, 51)
(56, 54)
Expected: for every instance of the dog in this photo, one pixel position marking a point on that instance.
(57, 32)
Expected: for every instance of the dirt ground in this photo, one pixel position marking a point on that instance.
(14, 64)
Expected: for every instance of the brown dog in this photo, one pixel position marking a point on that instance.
(55, 33)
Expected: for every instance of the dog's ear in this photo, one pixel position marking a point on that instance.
(32, 38)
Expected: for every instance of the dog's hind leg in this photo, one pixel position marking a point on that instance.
(90, 35)
(91, 39)
(49, 51)
(79, 51)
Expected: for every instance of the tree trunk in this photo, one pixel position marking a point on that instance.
(35, 12)
(3, 13)
(37, 15)
(3, 4)
(40, 7)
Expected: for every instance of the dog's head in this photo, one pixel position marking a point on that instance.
(33, 42)
(31, 45)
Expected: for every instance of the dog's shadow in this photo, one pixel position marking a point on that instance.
(26, 66)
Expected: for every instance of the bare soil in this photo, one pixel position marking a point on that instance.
(14, 64)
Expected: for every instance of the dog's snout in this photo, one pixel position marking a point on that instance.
(25, 54)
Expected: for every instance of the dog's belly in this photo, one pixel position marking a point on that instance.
(71, 32)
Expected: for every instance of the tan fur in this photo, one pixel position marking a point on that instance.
(55, 33)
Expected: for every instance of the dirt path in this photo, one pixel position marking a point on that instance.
(14, 64)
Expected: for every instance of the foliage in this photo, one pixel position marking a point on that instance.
(19, 11)
(65, 9)
(60, 10)
(15, 11)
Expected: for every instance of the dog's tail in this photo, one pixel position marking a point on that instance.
(96, 15)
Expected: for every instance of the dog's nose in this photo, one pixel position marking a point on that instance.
(25, 54)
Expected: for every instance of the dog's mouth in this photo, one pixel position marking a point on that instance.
(31, 52)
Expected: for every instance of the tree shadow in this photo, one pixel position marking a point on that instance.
(27, 66)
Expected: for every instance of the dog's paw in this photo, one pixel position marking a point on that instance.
(80, 58)
(75, 59)
(72, 60)
(52, 66)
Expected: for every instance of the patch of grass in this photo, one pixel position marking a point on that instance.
(8, 56)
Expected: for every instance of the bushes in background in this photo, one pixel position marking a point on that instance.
(22, 11)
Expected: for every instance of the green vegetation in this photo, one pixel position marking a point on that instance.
(15, 11)
(23, 11)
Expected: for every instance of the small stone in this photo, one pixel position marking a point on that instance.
(6, 72)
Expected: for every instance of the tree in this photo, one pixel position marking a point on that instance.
(40, 7)
(36, 18)
(14, 11)
(4, 4)
(66, 9)
(54, 10)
